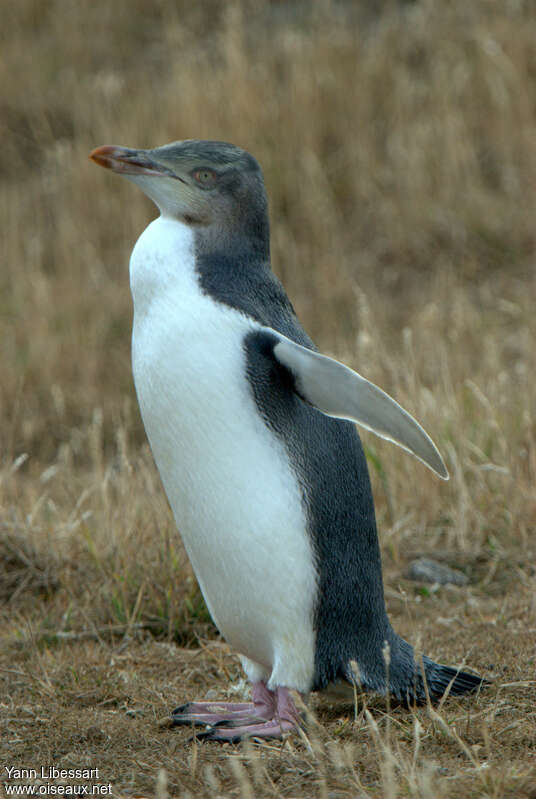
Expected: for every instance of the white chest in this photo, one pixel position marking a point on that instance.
(235, 498)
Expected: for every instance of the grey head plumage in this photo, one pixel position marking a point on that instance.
(215, 186)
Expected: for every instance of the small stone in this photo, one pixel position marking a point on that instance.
(134, 712)
(94, 733)
(426, 570)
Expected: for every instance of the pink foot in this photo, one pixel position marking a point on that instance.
(233, 735)
(261, 709)
(285, 718)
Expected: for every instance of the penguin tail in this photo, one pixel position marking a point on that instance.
(441, 680)
(410, 679)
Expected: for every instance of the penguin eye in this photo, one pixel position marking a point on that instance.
(205, 177)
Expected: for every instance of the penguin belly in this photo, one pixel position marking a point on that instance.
(234, 494)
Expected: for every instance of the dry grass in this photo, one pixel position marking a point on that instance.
(400, 157)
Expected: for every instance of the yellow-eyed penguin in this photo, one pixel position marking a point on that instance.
(252, 433)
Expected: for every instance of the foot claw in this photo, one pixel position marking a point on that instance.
(242, 721)
(181, 709)
(211, 713)
(212, 735)
(177, 722)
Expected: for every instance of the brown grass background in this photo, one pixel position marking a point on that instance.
(398, 142)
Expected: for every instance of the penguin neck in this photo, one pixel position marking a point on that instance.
(163, 258)
(173, 257)
(228, 257)
(248, 241)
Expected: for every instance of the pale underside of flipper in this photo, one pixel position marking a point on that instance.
(338, 391)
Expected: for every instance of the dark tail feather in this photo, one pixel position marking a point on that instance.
(412, 679)
(439, 678)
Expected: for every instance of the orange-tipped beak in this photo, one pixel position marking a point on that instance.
(125, 161)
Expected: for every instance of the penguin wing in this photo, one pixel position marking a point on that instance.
(336, 390)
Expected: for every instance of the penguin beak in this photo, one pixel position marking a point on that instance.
(125, 161)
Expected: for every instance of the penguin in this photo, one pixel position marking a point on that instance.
(253, 433)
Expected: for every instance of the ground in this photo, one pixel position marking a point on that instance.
(101, 701)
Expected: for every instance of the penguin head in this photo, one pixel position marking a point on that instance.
(216, 187)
